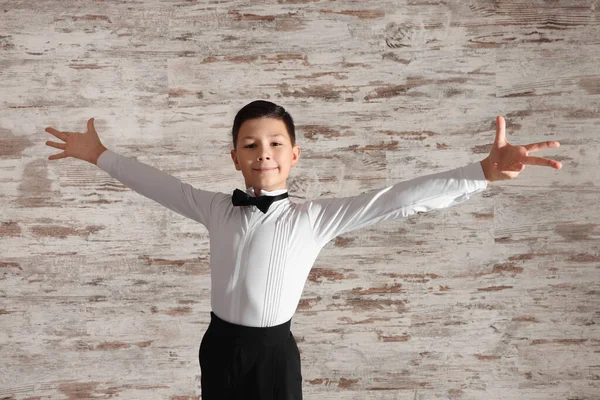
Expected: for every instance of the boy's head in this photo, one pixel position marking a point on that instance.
(264, 145)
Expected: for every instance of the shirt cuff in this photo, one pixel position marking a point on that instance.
(106, 159)
(474, 173)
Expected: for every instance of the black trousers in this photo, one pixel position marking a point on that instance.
(250, 363)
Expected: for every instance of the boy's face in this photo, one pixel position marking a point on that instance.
(264, 143)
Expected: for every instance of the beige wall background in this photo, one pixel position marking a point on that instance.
(105, 294)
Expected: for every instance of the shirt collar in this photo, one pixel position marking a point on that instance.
(263, 192)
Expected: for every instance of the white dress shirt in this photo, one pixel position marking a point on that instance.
(260, 262)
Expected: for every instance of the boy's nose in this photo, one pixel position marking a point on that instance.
(264, 155)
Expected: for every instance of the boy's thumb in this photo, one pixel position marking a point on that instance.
(90, 124)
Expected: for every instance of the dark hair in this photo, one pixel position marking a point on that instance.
(259, 109)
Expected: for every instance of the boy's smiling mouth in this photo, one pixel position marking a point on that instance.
(264, 169)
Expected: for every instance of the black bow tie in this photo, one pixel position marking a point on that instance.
(263, 203)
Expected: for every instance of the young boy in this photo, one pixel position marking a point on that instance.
(263, 245)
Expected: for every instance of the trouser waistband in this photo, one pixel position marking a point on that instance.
(271, 334)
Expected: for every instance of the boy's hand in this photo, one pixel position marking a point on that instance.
(85, 146)
(507, 161)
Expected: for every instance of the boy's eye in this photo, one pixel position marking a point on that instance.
(254, 145)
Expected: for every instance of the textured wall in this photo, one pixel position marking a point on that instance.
(105, 294)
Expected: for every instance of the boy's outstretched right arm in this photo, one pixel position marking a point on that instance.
(159, 186)
(142, 178)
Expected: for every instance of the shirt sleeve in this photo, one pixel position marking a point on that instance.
(334, 216)
(159, 186)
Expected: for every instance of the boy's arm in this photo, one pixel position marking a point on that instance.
(159, 186)
(334, 216)
(142, 178)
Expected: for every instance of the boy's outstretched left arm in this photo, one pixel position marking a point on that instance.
(506, 161)
(332, 217)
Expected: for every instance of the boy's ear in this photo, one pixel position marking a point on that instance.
(295, 155)
(234, 158)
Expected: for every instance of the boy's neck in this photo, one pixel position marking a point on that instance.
(258, 191)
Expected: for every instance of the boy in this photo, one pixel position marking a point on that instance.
(263, 245)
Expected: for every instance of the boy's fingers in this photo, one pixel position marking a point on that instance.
(58, 134)
(500, 130)
(90, 124)
(541, 145)
(546, 162)
(57, 145)
(57, 156)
